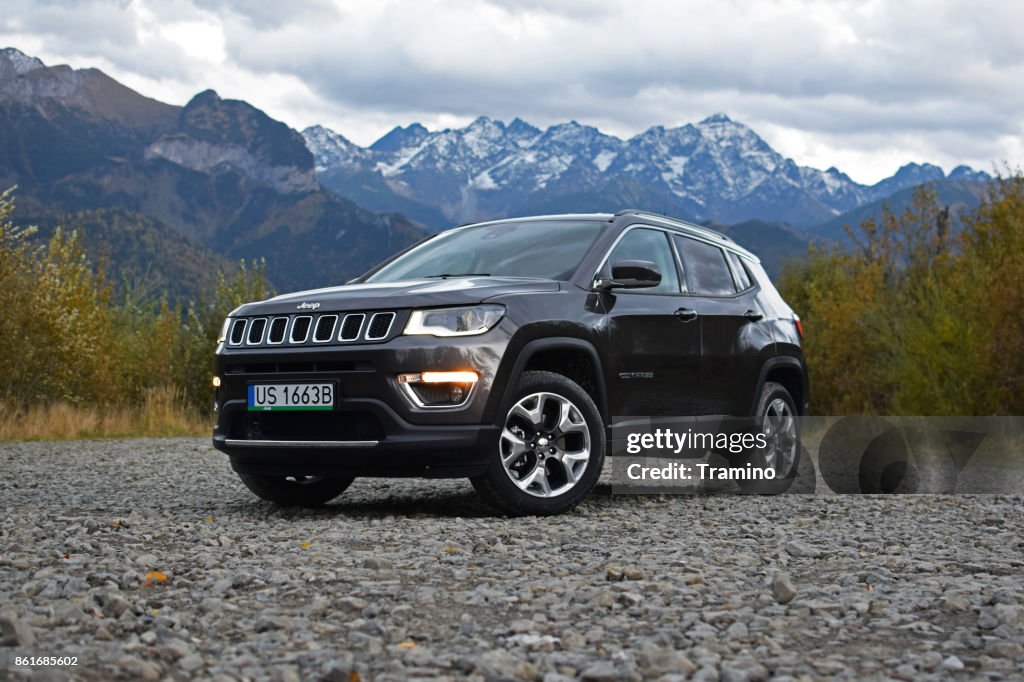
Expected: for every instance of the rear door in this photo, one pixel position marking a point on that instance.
(653, 334)
(732, 338)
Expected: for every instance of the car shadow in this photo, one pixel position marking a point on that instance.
(379, 498)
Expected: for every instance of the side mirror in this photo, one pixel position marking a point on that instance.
(631, 274)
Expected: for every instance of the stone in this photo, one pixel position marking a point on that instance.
(782, 588)
(15, 632)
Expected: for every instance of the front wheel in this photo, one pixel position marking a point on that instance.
(296, 491)
(550, 450)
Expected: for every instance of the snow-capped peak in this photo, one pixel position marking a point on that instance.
(331, 149)
(14, 62)
(717, 168)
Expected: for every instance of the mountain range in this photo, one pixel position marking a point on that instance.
(216, 176)
(715, 170)
(171, 194)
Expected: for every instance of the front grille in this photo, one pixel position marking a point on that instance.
(342, 426)
(297, 330)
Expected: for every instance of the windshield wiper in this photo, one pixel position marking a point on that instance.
(460, 274)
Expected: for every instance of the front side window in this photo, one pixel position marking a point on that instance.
(649, 245)
(706, 270)
(549, 249)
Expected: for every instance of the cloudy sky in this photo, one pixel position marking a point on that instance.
(865, 86)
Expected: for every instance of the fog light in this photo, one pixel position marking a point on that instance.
(216, 382)
(438, 389)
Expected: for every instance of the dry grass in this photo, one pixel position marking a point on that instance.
(162, 414)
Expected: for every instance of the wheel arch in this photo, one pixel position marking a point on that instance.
(789, 372)
(574, 358)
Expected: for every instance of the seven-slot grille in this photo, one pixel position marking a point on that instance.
(304, 329)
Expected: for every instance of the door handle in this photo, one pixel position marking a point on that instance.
(686, 314)
(753, 315)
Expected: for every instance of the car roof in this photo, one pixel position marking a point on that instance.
(647, 217)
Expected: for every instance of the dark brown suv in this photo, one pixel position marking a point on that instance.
(501, 351)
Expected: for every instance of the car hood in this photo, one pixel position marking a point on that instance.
(418, 293)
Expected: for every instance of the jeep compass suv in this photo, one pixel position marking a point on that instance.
(501, 351)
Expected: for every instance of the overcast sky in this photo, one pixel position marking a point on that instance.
(865, 86)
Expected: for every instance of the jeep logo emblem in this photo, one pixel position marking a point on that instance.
(307, 306)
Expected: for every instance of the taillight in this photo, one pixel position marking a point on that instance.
(799, 326)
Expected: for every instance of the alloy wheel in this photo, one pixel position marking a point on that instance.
(781, 436)
(545, 444)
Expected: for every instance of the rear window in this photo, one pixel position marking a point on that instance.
(739, 270)
(706, 270)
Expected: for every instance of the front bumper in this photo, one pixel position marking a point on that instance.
(374, 430)
(398, 449)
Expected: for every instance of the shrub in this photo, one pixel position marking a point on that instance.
(68, 342)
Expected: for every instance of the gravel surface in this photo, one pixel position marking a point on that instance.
(402, 579)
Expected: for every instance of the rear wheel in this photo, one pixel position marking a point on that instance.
(296, 491)
(550, 451)
(776, 413)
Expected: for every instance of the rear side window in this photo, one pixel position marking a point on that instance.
(739, 271)
(649, 245)
(706, 270)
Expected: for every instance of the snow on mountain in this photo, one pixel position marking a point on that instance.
(332, 150)
(715, 169)
(14, 62)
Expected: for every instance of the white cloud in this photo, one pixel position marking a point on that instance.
(864, 86)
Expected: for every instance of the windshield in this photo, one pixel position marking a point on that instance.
(551, 249)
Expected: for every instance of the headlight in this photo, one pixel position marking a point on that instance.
(222, 337)
(454, 321)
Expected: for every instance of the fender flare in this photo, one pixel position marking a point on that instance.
(786, 361)
(497, 405)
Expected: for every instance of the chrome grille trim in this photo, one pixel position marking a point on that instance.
(387, 331)
(295, 323)
(322, 329)
(359, 326)
(256, 324)
(317, 338)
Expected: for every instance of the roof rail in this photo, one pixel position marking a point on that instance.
(676, 221)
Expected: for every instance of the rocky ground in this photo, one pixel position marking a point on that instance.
(147, 559)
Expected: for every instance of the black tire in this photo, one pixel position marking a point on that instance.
(549, 453)
(296, 491)
(786, 458)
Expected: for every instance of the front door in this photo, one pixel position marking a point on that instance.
(654, 336)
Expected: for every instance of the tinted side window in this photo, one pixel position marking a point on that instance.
(740, 271)
(650, 245)
(706, 270)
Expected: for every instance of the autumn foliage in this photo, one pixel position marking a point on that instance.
(76, 352)
(922, 315)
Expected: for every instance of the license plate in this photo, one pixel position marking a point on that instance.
(268, 397)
